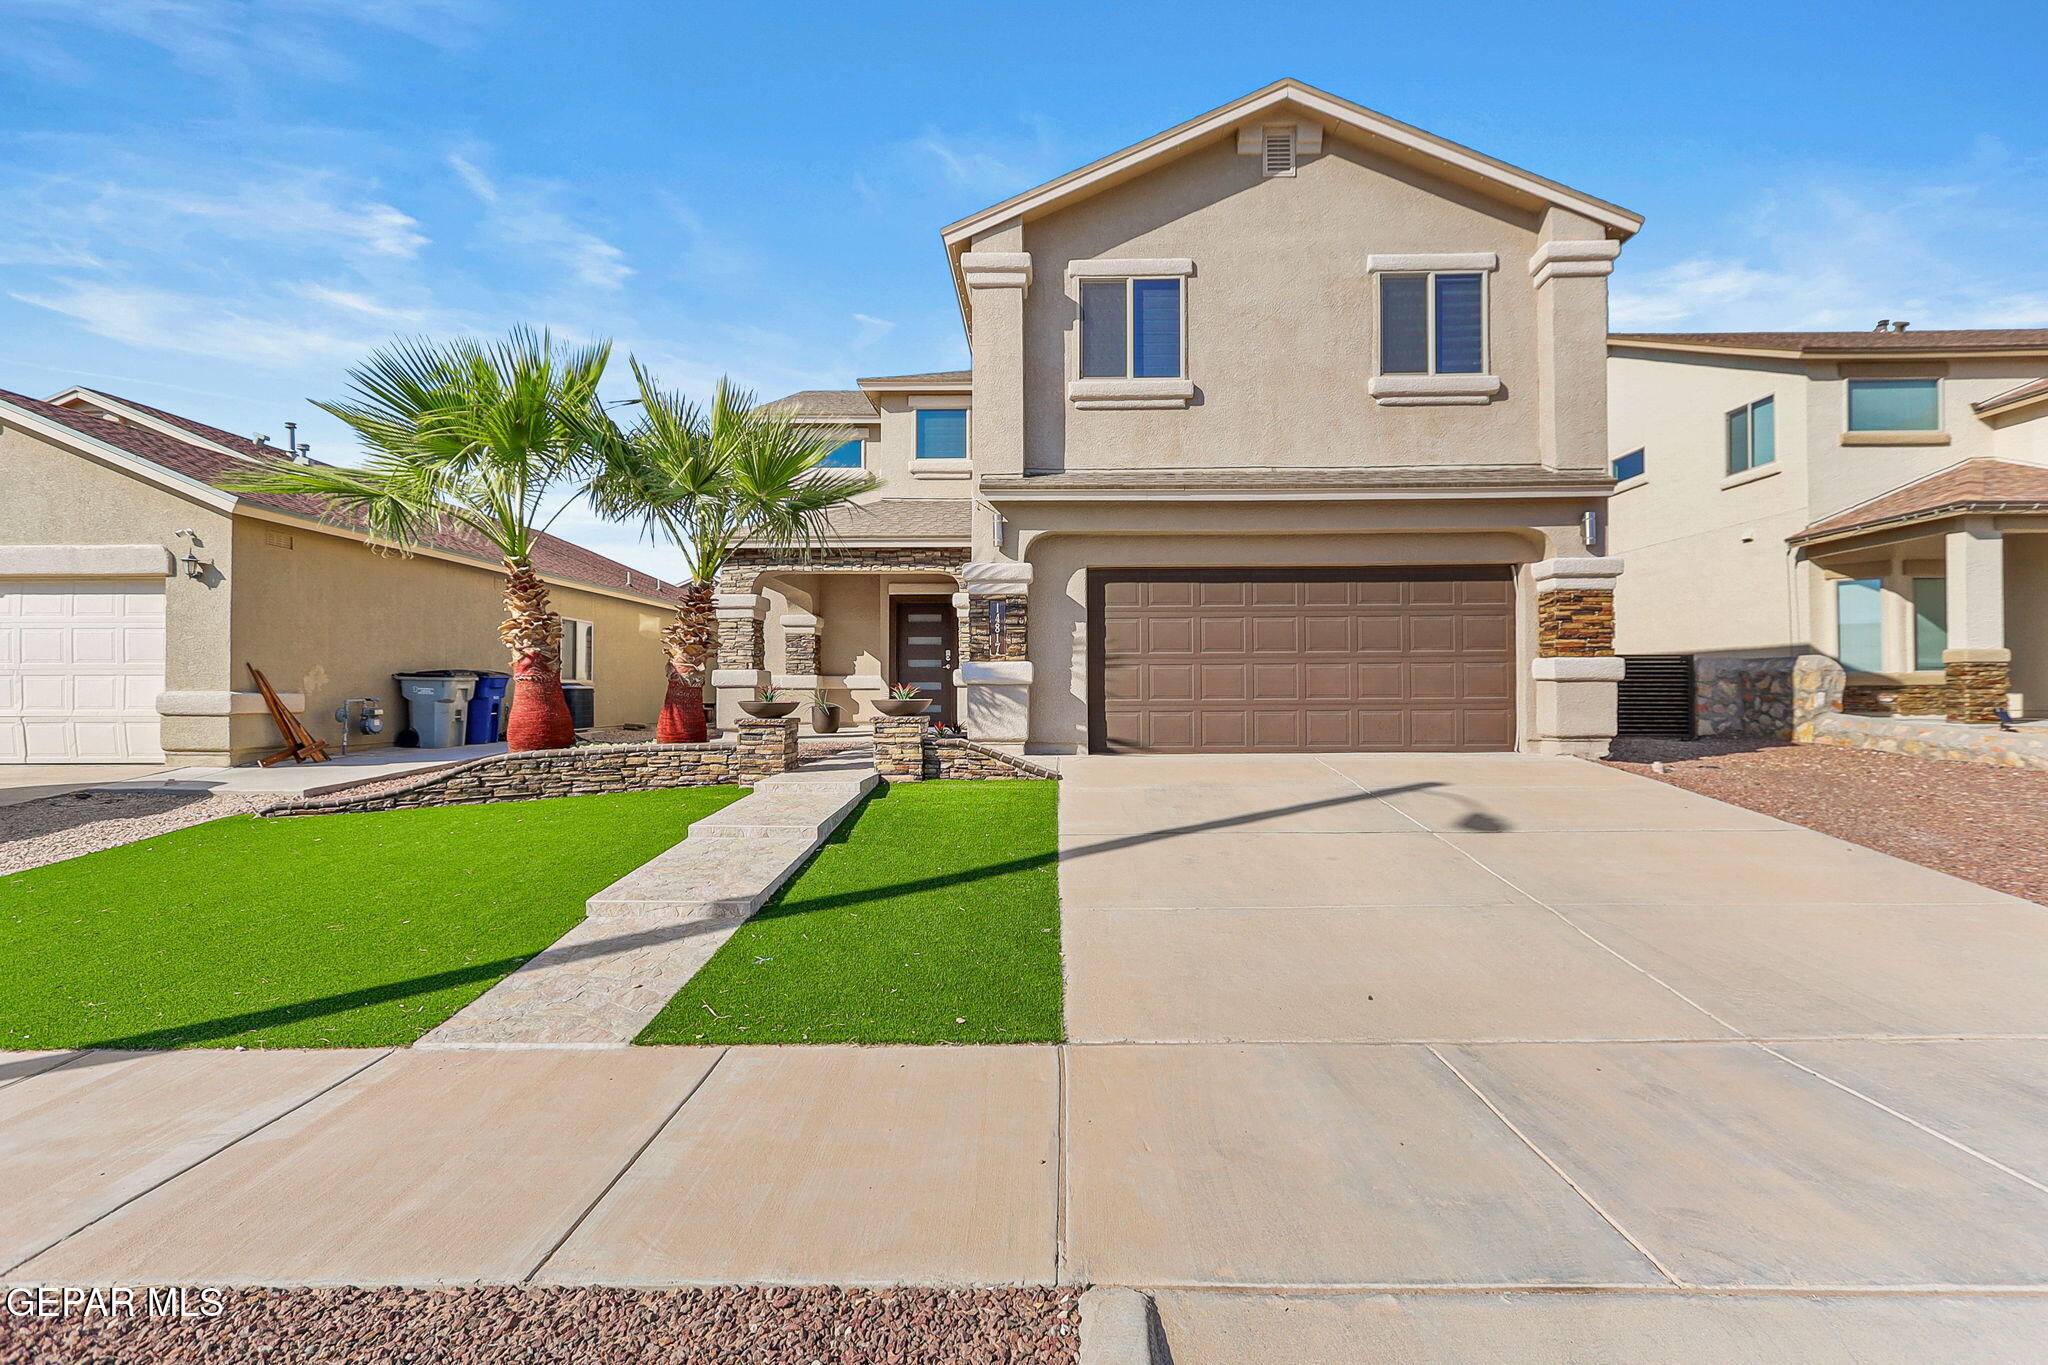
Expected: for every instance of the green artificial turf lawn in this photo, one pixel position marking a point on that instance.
(313, 931)
(932, 916)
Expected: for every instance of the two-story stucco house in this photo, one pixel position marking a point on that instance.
(1284, 431)
(1873, 496)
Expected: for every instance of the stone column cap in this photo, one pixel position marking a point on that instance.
(1976, 656)
(995, 577)
(1583, 572)
(799, 620)
(1577, 668)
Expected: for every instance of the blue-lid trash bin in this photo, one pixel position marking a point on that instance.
(487, 709)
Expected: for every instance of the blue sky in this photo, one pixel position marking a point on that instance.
(218, 205)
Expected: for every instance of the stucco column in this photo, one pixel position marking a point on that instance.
(1575, 676)
(998, 276)
(1569, 270)
(1977, 663)
(994, 676)
(739, 674)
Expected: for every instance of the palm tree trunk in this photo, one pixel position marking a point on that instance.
(690, 640)
(540, 713)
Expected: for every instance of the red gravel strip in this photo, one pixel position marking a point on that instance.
(1971, 820)
(562, 1326)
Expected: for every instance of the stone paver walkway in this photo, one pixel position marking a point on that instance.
(648, 933)
(1751, 1093)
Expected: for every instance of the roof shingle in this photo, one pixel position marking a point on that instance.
(918, 518)
(851, 404)
(1972, 486)
(552, 556)
(1815, 343)
(934, 377)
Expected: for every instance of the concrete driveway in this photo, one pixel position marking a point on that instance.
(1370, 1056)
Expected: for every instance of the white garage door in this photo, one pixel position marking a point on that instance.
(81, 664)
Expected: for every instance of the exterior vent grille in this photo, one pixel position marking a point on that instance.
(1279, 153)
(1656, 696)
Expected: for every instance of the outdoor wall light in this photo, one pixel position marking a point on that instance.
(195, 567)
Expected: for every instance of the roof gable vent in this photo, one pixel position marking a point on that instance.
(1277, 151)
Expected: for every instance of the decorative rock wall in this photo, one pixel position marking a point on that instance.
(764, 748)
(906, 750)
(1903, 699)
(1930, 738)
(1575, 623)
(587, 771)
(1741, 696)
(801, 653)
(1977, 690)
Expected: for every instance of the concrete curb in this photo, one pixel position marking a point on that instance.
(1121, 1327)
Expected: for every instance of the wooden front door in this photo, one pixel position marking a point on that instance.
(924, 636)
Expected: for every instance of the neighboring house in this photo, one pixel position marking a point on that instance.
(1874, 496)
(134, 592)
(1283, 432)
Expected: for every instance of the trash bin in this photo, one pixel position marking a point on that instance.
(582, 699)
(436, 705)
(487, 709)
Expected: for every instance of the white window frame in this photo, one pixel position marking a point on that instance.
(1429, 332)
(1130, 328)
(584, 635)
(1940, 426)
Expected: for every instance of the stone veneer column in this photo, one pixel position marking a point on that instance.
(899, 747)
(800, 643)
(765, 748)
(1576, 676)
(741, 650)
(994, 676)
(1977, 663)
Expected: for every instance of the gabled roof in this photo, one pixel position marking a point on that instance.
(1837, 345)
(900, 521)
(170, 423)
(1338, 115)
(1972, 486)
(208, 469)
(935, 379)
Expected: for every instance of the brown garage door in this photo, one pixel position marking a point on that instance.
(1286, 660)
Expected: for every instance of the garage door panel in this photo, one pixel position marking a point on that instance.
(81, 668)
(1276, 660)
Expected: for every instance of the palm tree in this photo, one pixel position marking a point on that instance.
(478, 434)
(710, 482)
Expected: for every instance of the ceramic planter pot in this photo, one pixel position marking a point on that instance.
(903, 706)
(768, 710)
(825, 719)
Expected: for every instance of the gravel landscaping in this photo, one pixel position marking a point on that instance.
(546, 1326)
(37, 833)
(1971, 820)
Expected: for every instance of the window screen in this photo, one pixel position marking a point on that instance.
(942, 434)
(1404, 324)
(1459, 347)
(1104, 344)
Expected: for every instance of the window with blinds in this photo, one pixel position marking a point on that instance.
(1433, 323)
(1132, 329)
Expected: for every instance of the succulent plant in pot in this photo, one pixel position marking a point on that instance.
(824, 714)
(769, 704)
(903, 700)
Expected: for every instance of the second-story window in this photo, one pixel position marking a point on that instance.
(942, 434)
(1433, 323)
(1131, 329)
(1752, 436)
(845, 455)
(1895, 405)
(1629, 466)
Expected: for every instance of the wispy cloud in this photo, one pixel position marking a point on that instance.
(995, 164)
(521, 215)
(241, 42)
(272, 334)
(1838, 251)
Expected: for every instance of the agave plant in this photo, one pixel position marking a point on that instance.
(711, 481)
(476, 434)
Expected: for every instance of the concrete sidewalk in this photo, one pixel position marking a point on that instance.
(1346, 1034)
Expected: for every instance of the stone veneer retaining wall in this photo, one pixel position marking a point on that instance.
(589, 770)
(1897, 699)
(1575, 623)
(764, 748)
(1819, 684)
(906, 750)
(1743, 696)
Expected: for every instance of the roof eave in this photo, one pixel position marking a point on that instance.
(1962, 508)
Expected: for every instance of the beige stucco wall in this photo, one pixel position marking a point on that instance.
(1063, 542)
(1708, 567)
(333, 618)
(853, 637)
(2026, 619)
(1281, 314)
(52, 496)
(2021, 436)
